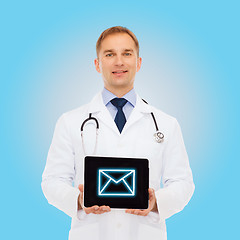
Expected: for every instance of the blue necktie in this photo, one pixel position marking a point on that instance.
(120, 118)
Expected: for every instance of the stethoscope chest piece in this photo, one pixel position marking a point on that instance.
(159, 137)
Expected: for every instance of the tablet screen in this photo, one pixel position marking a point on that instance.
(116, 182)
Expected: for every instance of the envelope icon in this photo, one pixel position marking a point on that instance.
(116, 182)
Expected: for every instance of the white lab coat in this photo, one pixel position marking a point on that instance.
(168, 162)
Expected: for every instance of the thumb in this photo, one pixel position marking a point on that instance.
(151, 193)
(80, 187)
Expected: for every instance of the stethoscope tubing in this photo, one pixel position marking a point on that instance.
(159, 136)
(90, 118)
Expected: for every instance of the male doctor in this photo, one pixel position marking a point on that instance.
(126, 129)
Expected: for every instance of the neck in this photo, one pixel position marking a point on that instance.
(119, 92)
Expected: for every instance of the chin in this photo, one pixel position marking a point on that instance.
(121, 83)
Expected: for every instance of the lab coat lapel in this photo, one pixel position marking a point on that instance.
(107, 119)
(98, 108)
(137, 113)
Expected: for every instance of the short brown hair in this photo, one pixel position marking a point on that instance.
(113, 30)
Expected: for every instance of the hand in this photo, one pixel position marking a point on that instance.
(152, 206)
(94, 209)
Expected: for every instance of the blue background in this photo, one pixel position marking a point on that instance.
(190, 70)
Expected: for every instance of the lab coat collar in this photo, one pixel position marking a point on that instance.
(97, 107)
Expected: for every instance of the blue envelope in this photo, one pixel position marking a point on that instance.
(116, 182)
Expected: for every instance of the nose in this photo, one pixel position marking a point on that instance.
(118, 60)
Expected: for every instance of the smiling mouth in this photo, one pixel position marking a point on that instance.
(119, 72)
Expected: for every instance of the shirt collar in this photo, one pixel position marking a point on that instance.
(107, 96)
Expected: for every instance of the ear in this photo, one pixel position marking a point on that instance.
(139, 63)
(96, 63)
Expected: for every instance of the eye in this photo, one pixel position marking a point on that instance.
(109, 55)
(127, 54)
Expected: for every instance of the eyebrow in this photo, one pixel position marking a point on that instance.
(112, 50)
(108, 50)
(128, 50)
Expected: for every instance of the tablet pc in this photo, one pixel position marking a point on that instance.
(116, 182)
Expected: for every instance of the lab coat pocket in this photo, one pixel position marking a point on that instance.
(87, 232)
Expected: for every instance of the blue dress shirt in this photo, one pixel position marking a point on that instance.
(128, 107)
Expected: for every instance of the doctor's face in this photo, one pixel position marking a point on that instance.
(118, 62)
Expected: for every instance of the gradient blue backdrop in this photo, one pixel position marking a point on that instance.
(190, 70)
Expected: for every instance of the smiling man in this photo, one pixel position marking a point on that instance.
(126, 129)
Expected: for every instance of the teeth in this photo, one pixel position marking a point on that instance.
(119, 71)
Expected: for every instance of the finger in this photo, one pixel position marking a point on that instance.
(136, 212)
(98, 210)
(91, 209)
(144, 212)
(133, 211)
(104, 208)
(129, 211)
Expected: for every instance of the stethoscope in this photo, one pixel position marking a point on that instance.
(159, 137)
